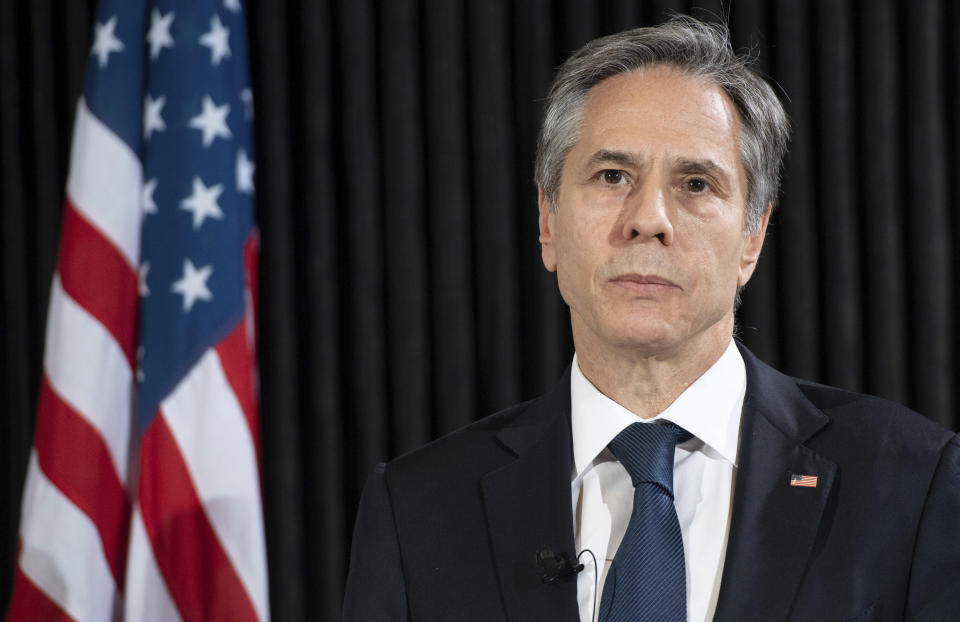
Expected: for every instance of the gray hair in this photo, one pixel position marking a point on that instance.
(692, 46)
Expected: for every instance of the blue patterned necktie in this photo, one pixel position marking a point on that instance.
(647, 580)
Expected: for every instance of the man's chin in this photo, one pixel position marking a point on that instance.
(657, 335)
(664, 339)
(650, 340)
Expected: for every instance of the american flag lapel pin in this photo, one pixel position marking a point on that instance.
(804, 481)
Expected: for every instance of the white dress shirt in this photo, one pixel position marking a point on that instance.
(703, 473)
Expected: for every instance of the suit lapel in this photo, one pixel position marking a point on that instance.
(528, 505)
(773, 524)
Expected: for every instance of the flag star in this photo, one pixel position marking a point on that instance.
(152, 121)
(147, 203)
(246, 96)
(193, 284)
(212, 121)
(142, 279)
(105, 41)
(159, 35)
(232, 5)
(218, 40)
(244, 170)
(203, 202)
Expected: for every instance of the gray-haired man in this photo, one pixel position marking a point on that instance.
(704, 484)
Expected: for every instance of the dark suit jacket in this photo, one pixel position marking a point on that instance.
(450, 531)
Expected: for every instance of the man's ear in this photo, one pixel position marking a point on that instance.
(548, 219)
(752, 248)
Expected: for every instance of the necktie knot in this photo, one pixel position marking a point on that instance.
(646, 451)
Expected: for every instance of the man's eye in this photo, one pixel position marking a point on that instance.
(696, 185)
(612, 176)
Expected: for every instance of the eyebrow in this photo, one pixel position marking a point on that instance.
(704, 167)
(610, 156)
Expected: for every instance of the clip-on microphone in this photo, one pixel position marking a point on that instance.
(556, 566)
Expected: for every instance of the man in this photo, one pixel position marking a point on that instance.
(657, 169)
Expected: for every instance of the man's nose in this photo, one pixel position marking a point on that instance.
(645, 215)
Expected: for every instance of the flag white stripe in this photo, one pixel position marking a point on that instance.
(105, 182)
(206, 421)
(62, 554)
(87, 368)
(147, 597)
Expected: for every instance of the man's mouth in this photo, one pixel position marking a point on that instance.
(649, 284)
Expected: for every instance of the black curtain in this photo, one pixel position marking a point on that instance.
(401, 289)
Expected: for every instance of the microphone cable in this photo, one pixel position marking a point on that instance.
(596, 581)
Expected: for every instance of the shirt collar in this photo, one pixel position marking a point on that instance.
(709, 409)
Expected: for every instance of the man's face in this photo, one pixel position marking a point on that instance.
(648, 237)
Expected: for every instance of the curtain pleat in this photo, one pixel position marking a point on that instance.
(318, 279)
(545, 340)
(617, 15)
(493, 211)
(405, 238)
(837, 227)
(794, 226)
(402, 293)
(73, 34)
(367, 439)
(48, 131)
(575, 23)
(452, 322)
(877, 189)
(17, 349)
(925, 216)
(950, 81)
(284, 491)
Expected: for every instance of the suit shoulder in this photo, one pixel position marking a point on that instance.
(472, 447)
(872, 417)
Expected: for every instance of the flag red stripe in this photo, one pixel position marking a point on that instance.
(75, 459)
(237, 364)
(98, 277)
(200, 577)
(30, 603)
(237, 350)
(251, 252)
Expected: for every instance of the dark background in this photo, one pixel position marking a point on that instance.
(401, 289)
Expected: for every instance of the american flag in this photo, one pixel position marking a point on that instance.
(142, 499)
(804, 481)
